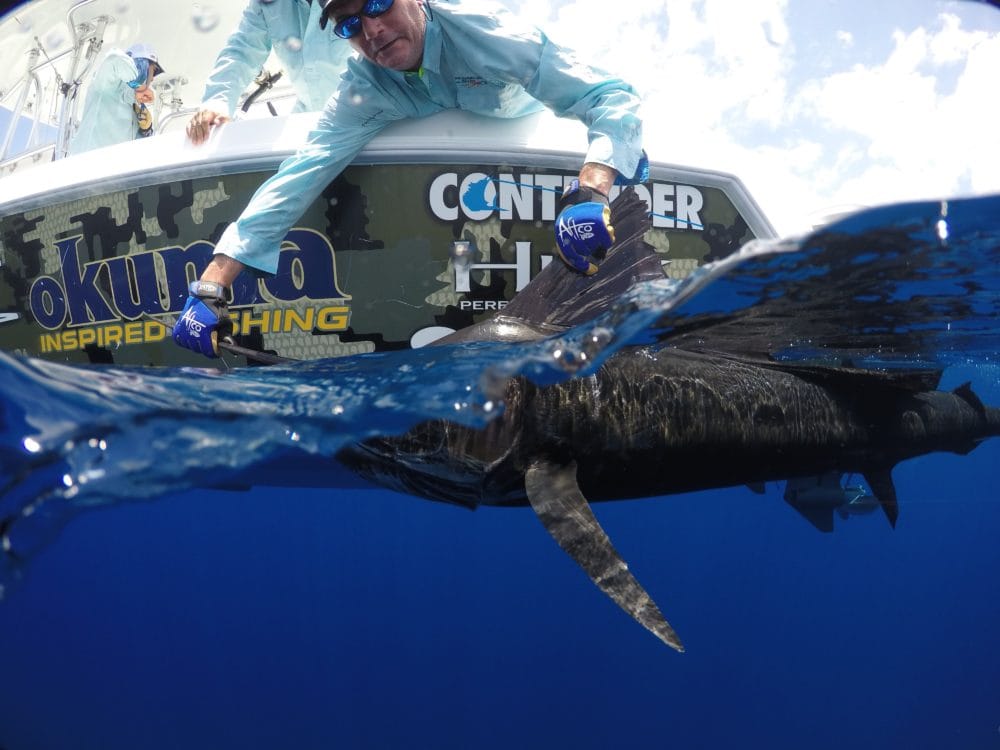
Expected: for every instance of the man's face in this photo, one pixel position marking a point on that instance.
(395, 39)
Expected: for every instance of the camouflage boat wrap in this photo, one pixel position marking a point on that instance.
(370, 266)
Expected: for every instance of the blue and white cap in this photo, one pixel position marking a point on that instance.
(144, 52)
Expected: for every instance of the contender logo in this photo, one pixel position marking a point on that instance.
(533, 197)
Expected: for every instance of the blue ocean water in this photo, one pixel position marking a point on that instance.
(151, 612)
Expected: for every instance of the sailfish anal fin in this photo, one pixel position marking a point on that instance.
(560, 505)
(885, 493)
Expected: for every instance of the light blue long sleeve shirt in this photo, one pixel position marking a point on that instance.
(312, 58)
(477, 58)
(108, 117)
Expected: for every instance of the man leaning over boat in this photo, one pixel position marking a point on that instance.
(419, 57)
(115, 110)
(309, 54)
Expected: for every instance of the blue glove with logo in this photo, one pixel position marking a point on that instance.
(583, 228)
(204, 320)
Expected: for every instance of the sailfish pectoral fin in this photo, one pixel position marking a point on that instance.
(560, 505)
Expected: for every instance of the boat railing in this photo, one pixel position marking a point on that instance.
(88, 38)
(42, 153)
(48, 95)
(46, 91)
(170, 105)
(29, 83)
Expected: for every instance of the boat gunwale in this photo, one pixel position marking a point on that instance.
(266, 142)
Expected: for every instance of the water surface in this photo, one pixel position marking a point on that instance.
(150, 611)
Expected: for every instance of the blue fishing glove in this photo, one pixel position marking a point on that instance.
(204, 320)
(583, 228)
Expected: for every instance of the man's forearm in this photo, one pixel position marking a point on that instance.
(222, 270)
(598, 176)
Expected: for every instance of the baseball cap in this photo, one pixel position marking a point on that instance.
(144, 51)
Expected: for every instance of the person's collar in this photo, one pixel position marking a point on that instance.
(432, 45)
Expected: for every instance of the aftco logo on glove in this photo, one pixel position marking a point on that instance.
(581, 231)
(193, 325)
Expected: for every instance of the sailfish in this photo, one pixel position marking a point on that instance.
(663, 418)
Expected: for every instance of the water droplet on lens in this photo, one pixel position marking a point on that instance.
(569, 360)
(54, 40)
(493, 386)
(204, 18)
(597, 340)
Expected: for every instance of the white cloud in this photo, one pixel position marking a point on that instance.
(971, 116)
(877, 113)
(921, 141)
(951, 44)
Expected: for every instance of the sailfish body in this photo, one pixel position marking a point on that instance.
(655, 421)
(661, 422)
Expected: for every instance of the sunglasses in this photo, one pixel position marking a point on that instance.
(349, 27)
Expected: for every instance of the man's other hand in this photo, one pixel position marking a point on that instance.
(202, 123)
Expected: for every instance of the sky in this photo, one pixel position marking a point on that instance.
(816, 105)
(19, 139)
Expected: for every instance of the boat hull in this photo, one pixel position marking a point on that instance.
(407, 244)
